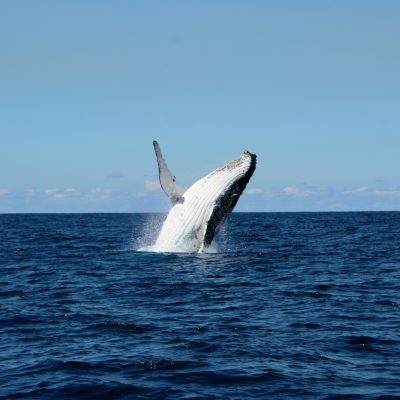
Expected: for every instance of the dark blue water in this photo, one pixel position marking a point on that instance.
(302, 305)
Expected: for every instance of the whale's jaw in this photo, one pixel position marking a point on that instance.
(191, 224)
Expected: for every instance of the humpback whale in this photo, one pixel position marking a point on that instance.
(198, 213)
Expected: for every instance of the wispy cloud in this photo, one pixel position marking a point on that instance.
(253, 191)
(358, 190)
(99, 194)
(68, 193)
(294, 190)
(387, 193)
(152, 186)
(55, 194)
(300, 197)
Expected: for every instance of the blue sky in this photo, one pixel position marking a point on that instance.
(311, 87)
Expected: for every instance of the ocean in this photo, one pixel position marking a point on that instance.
(288, 306)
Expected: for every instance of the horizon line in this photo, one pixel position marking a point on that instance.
(166, 212)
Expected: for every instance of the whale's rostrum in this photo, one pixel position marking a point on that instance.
(198, 213)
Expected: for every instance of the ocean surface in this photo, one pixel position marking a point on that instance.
(290, 306)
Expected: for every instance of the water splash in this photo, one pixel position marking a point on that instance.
(147, 236)
(147, 240)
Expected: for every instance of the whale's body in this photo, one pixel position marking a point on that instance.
(197, 213)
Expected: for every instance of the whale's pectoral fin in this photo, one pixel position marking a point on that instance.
(167, 180)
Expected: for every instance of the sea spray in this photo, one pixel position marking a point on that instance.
(149, 232)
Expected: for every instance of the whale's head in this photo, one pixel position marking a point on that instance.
(228, 182)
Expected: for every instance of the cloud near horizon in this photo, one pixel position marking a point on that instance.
(294, 190)
(358, 190)
(387, 193)
(4, 191)
(55, 194)
(253, 191)
(286, 198)
(152, 186)
(100, 194)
